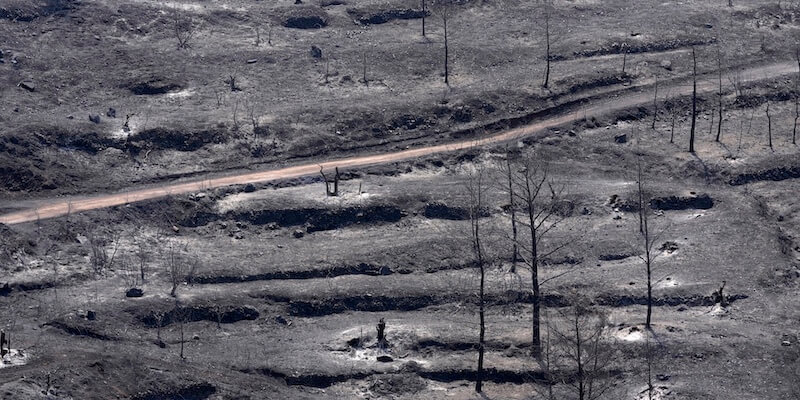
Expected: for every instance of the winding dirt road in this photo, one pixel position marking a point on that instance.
(60, 207)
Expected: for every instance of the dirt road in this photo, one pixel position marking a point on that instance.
(60, 207)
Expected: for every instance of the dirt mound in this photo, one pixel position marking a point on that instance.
(28, 10)
(175, 139)
(368, 17)
(772, 174)
(700, 202)
(306, 18)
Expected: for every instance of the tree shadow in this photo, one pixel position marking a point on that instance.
(706, 172)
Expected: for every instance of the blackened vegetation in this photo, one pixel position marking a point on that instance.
(367, 17)
(319, 219)
(197, 391)
(343, 270)
(75, 327)
(153, 86)
(176, 139)
(369, 303)
(597, 81)
(620, 47)
(437, 210)
(701, 202)
(33, 9)
(24, 176)
(312, 380)
(774, 174)
(306, 18)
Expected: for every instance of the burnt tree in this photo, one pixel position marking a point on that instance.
(476, 189)
(538, 201)
(694, 100)
(331, 183)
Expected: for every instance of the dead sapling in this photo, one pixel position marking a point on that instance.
(5, 341)
(719, 296)
(624, 57)
(231, 81)
(364, 79)
(331, 183)
(126, 126)
(381, 327)
(183, 28)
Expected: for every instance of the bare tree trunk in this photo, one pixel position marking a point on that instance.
(655, 104)
(364, 68)
(512, 206)
(536, 340)
(694, 100)
(769, 126)
(423, 18)
(624, 57)
(672, 130)
(719, 94)
(711, 125)
(476, 205)
(446, 50)
(547, 46)
(796, 99)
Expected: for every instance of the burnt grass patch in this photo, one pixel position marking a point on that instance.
(326, 380)
(773, 174)
(308, 17)
(602, 79)
(620, 47)
(369, 303)
(370, 17)
(152, 86)
(78, 328)
(198, 391)
(359, 269)
(317, 219)
(437, 210)
(227, 315)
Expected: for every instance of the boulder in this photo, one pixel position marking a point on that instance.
(94, 118)
(134, 292)
(27, 85)
(623, 138)
(316, 52)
